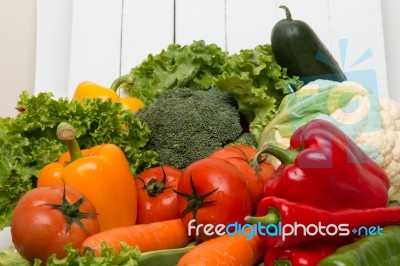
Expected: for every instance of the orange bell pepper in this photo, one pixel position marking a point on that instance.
(88, 89)
(101, 173)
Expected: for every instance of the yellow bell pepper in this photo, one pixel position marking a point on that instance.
(101, 173)
(88, 89)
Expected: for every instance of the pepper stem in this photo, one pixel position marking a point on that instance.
(128, 78)
(282, 263)
(287, 11)
(67, 133)
(283, 155)
(272, 217)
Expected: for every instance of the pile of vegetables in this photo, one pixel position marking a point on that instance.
(113, 196)
(206, 141)
(252, 77)
(29, 140)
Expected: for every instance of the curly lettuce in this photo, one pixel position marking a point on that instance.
(28, 141)
(193, 66)
(128, 256)
(258, 84)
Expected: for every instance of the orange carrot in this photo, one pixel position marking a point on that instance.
(226, 250)
(148, 237)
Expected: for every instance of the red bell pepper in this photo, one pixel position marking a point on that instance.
(283, 223)
(325, 168)
(305, 254)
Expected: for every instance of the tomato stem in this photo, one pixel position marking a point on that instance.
(67, 133)
(195, 200)
(154, 187)
(71, 212)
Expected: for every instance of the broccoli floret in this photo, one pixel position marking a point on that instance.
(245, 138)
(189, 124)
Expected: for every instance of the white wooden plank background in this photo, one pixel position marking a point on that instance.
(53, 35)
(108, 37)
(95, 42)
(249, 23)
(200, 20)
(364, 36)
(148, 27)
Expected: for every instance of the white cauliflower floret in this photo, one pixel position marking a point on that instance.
(387, 141)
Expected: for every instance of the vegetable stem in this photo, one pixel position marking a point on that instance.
(128, 78)
(283, 155)
(287, 11)
(67, 133)
(272, 217)
(72, 212)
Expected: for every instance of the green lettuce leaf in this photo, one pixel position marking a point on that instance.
(10, 257)
(29, 140)
(258, 84)
(191, 65)
(128, 256)
(109, 257)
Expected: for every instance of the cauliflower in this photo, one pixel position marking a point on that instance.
(386, 141)
(371, 122)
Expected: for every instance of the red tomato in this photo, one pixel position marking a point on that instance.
(157, 200)
(212, 191)
(39, 230)
(243, 157)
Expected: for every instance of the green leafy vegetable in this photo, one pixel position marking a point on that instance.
(109, 256)
(29, 140)
(128, 256)
(253, 77)
(301, 107)
(10, 257)
(193, 65)
(258, 84)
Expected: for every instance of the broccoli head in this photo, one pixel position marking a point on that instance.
(189, 124)
(245, 138)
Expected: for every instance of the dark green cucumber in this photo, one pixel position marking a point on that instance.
(297, 47)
